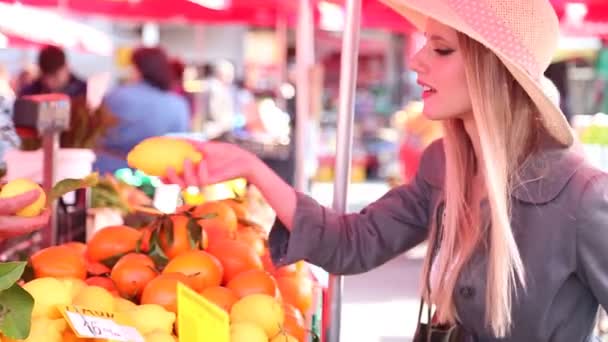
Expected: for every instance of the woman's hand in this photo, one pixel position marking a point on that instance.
(11, 225)
(222, 162)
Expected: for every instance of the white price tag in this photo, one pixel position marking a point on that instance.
(89, 326)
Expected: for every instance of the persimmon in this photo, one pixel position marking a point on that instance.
(203, 269)
(59, 262)
(252, 282)
(132, 273)
(162, 290)
(111, 242)
(235, 256)
(220, 296)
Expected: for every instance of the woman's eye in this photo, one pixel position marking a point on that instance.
(444, 52)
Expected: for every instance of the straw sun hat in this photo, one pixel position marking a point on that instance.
(522, 33)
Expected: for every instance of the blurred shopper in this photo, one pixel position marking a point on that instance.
(8, 137)
(55, 75)
(222, 100)
(178, 68)
(558, 74)
(145, 107)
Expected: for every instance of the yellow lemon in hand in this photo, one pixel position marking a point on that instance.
(155, 155)
(20, 186)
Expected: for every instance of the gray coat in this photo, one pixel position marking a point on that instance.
(560, 223)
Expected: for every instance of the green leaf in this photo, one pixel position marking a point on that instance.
(166, 230)
(111, 261)
(195, 233)
(16, 306)
(71, 184)
(206, 216)
(10, 272)
(156, 252)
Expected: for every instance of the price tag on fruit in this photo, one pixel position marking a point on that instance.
(204, 320)
(98, 324)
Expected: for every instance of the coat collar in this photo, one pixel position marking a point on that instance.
(542, 177)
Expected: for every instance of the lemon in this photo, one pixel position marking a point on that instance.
(48, 293)
(94, 298)
(147, 318)
(159, 336)
(260, 309)
(121, 304)
(247, 332)
(47, 330)
(20, 186)
(155, 155)
(73, 286)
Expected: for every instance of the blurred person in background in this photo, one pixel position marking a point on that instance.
(145, 107)
(178, 68)
(8, 136)
(27, 75)
(55, 76)
(222, 100)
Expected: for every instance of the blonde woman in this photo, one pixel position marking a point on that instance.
(517, 220)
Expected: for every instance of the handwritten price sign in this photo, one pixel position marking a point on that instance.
(98, 324)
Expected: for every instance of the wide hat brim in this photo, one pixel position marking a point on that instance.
(541, 91)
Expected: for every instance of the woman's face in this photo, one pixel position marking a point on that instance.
(440, 68)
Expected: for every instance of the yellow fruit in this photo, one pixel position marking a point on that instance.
(247, 332)
(73, 286)
(95, 298)
(284, 338)
(47, 330)
(69, 336)
(154, 155)
(260, 309)
(48, 293)
(20, 186)
(121, 304)
(148, 318)
(159, 336)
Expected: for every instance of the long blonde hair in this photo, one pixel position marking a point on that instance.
(506, 122)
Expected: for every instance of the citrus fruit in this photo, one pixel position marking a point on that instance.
(121, 304)
(48, 293)
(20, 186)
(236, 257)
(78, 247)
(96, 268)
(221, 222)
(155, 155)
(160, 336)
(162, 290)
(239, 208)
(104, 282)
(252, 282)
(94, 298)
(111, 242)
(247, 332)
(73, 286)
(297, 291)
(148, 318)
(253, 238)
(220, 296)
(58, 262)
(131, 274)
(260, 309)
(294, 324)
(176, 238)
(284, 337)
(203, 269)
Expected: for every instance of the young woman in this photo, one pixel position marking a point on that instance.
(517, 221)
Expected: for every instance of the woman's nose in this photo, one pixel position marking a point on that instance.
(417, 64)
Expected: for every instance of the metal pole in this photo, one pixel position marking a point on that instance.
(50, 148)
(348, 80)
(304, 61)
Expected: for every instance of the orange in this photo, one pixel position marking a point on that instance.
(181, 239)
(297, 291)
(235, 256)
(252, 237)
(203, 269)
(132, 273)
(294, 323)
(252, 282)
(59, 262)
(293, 270)
(112, 241)
(104, 282)
(220, 296)
(223, 224)
(162, 290)
(238, 206)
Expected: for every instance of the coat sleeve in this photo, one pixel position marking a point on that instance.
(355, 243)
(592, 238)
